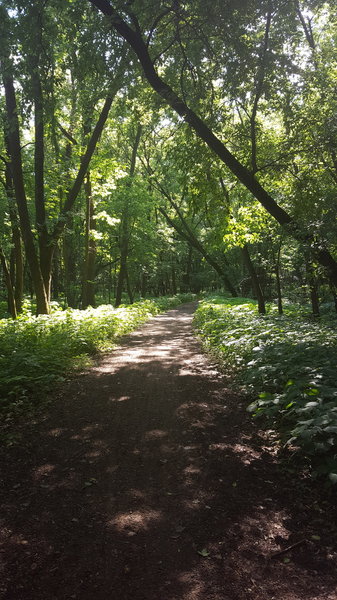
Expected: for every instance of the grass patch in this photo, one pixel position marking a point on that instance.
(288, 363)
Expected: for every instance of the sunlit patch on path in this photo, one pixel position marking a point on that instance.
(148, 481)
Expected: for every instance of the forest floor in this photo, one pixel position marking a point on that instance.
(146, 479)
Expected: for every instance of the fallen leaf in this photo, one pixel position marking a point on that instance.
(90, 482)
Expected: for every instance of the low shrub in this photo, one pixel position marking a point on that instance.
(288, 363)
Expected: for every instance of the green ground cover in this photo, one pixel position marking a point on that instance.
(287, 364)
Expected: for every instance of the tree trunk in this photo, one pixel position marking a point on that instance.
(128, 287)
(124, 243)
(46, 248)
(17, 275)
(174, 283)
(88, 289)
(254, 279)
(69, 258)
(313, 290)
(278, 290)
(124, 249)
(143, 285)
(278, 281)
(9, 285)
(56, 274)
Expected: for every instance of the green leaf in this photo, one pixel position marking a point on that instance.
(91, 481)
(204, 553)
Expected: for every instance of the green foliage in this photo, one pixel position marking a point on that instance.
(37, 352)
(288, 363)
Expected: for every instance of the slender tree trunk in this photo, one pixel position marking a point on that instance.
(314, 300)
(313, 290)
(124, 243)
(9, 285)
(69, 259)
(88, 289)
(278, 281)
(46, 247)
(124, 249)
(174, 282)
(143, 285)
(17, 275)
(255, 280)
(278, 289)
(56, 274)
(128, 287)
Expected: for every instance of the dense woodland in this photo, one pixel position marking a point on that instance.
(151, 148)
(167, 147)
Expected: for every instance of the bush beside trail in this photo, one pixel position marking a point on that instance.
(287, 364)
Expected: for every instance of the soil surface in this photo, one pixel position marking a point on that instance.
(147, 480)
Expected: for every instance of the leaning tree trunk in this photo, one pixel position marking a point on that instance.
(244, 175)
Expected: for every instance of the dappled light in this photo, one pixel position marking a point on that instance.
(148, 476)
(168, 300)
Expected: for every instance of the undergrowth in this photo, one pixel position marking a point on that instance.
(37, 352)
(288, 364)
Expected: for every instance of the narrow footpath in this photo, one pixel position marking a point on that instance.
(147, 480)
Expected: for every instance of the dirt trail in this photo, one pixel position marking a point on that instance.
(146, 480)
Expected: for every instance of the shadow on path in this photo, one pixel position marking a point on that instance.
(147, 480)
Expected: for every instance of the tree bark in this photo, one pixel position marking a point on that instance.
(9, 285)
(88, 289)
(278, 281)
(313, 289)
(246, 177)
(124, 250)
(17, 277)
(255, 280)
(128, 287)
(124, 239)
(69, 259)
